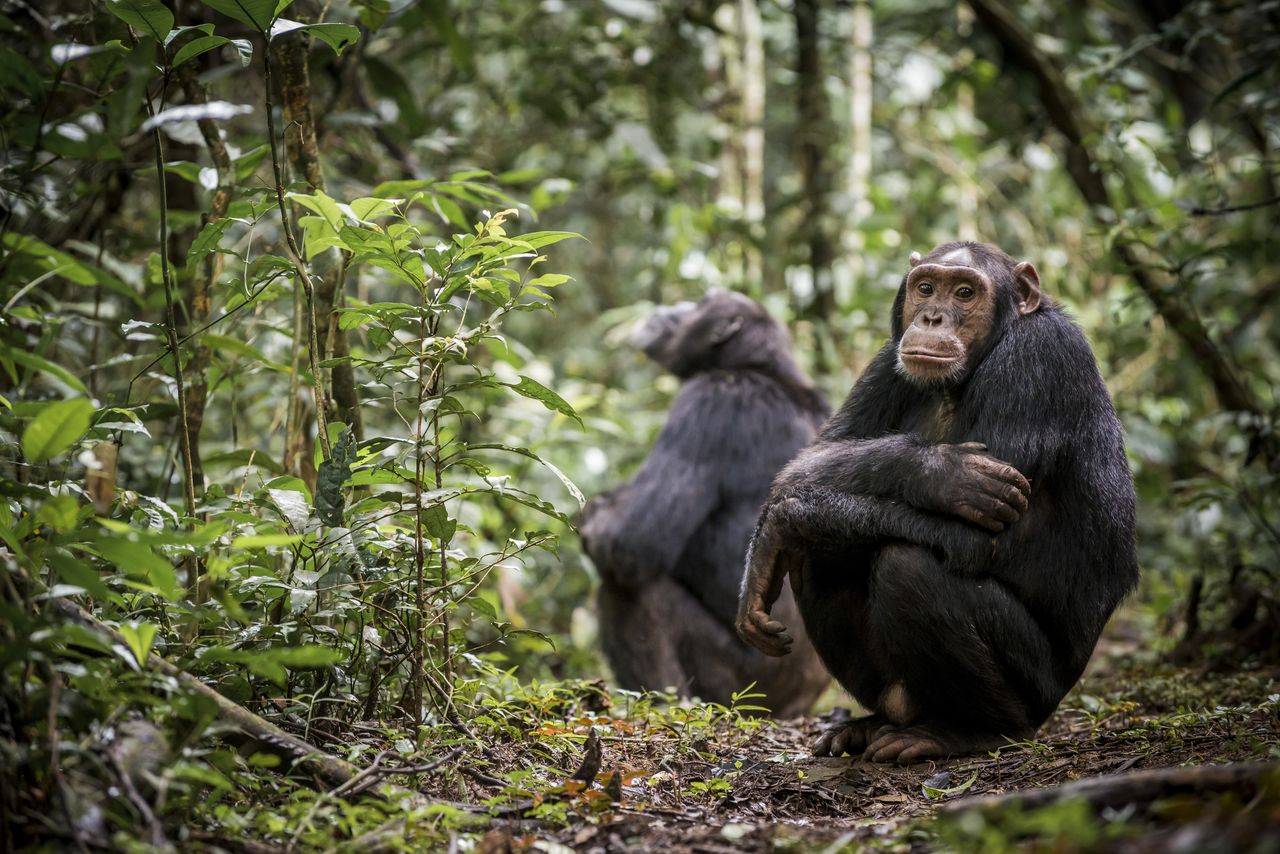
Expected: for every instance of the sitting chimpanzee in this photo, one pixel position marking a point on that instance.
(964, 525)
(670, 544)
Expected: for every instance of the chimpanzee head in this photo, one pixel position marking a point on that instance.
(954, 305)
(725, 330)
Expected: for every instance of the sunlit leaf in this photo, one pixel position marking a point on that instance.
(337, 36)
(535, 390)
(58, 426)
(140, 637)
(217, 111)
(195, 47)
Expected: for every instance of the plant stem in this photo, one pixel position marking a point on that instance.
(419, 547)
(171, 318)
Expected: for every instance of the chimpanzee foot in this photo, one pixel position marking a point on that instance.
(905, 745)
(849, 737)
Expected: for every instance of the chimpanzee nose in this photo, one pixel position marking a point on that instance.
(930, 317)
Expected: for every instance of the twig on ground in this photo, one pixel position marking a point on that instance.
(1139, 787)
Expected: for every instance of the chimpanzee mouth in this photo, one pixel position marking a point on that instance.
(930, 357)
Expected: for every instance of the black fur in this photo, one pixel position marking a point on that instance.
(986, 643)
(682, 525)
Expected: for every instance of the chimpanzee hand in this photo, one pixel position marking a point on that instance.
(963, 480)
(768, 563)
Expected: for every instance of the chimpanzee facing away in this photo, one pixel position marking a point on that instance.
(963, 527)
(670, 544)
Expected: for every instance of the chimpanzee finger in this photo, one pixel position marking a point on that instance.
(1008, 498)
(842, 741)
(822, 747)
(973, 447)
(767, 634)
(991, 467)
(983, 519)
(998, 508)
(1015, 498)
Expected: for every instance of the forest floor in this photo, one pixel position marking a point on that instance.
(762, 791)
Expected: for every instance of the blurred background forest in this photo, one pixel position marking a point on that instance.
(795, 150)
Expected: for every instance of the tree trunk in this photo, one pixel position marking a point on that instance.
(291, 52)
(813, 135)
(203, 277)
(860, 100)
(752, 131)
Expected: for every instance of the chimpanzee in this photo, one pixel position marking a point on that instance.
(963, 526)
(670, 544)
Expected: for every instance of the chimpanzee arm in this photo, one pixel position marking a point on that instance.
(821, 517)
(860, 453)
(956, 480)
(642, 529)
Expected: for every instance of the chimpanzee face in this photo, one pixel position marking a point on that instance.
(723, 330)
(949, 311)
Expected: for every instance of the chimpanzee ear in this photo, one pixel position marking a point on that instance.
(913, 260)
(1026, 282)
(725, 329)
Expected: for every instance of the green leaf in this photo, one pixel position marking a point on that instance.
(43, 365)
(323, 204)
(149, 17)
(539, 239)
(77, 572)
(307, 655)
(58, 426)
(934, 793)
(256, 13)
(140, 637)
(137, 560)
(438, 524)
(369, 207)
(207, 29)
(535, 390)
(525, 452)
(48, 260)
(59, 512)
(195, 47)
(262, 541)
(337, 36)
(207, 240)
(548, 280)
(227, 344)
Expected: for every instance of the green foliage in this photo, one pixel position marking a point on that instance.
(56, 428)
(368, 586)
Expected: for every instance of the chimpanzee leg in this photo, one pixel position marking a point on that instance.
(833, 597)
(967, 666)
(637, 637)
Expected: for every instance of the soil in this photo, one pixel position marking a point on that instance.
(734, 790)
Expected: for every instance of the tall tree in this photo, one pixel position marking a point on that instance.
(813, 135)
(860, 100)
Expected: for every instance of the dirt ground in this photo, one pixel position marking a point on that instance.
(761, 791)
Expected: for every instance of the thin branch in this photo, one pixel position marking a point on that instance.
(1136, 787)
(1067, 114)
(171, 317)
(1251, 206)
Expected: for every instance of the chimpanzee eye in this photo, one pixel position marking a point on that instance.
(925, 288)
(964, 292)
